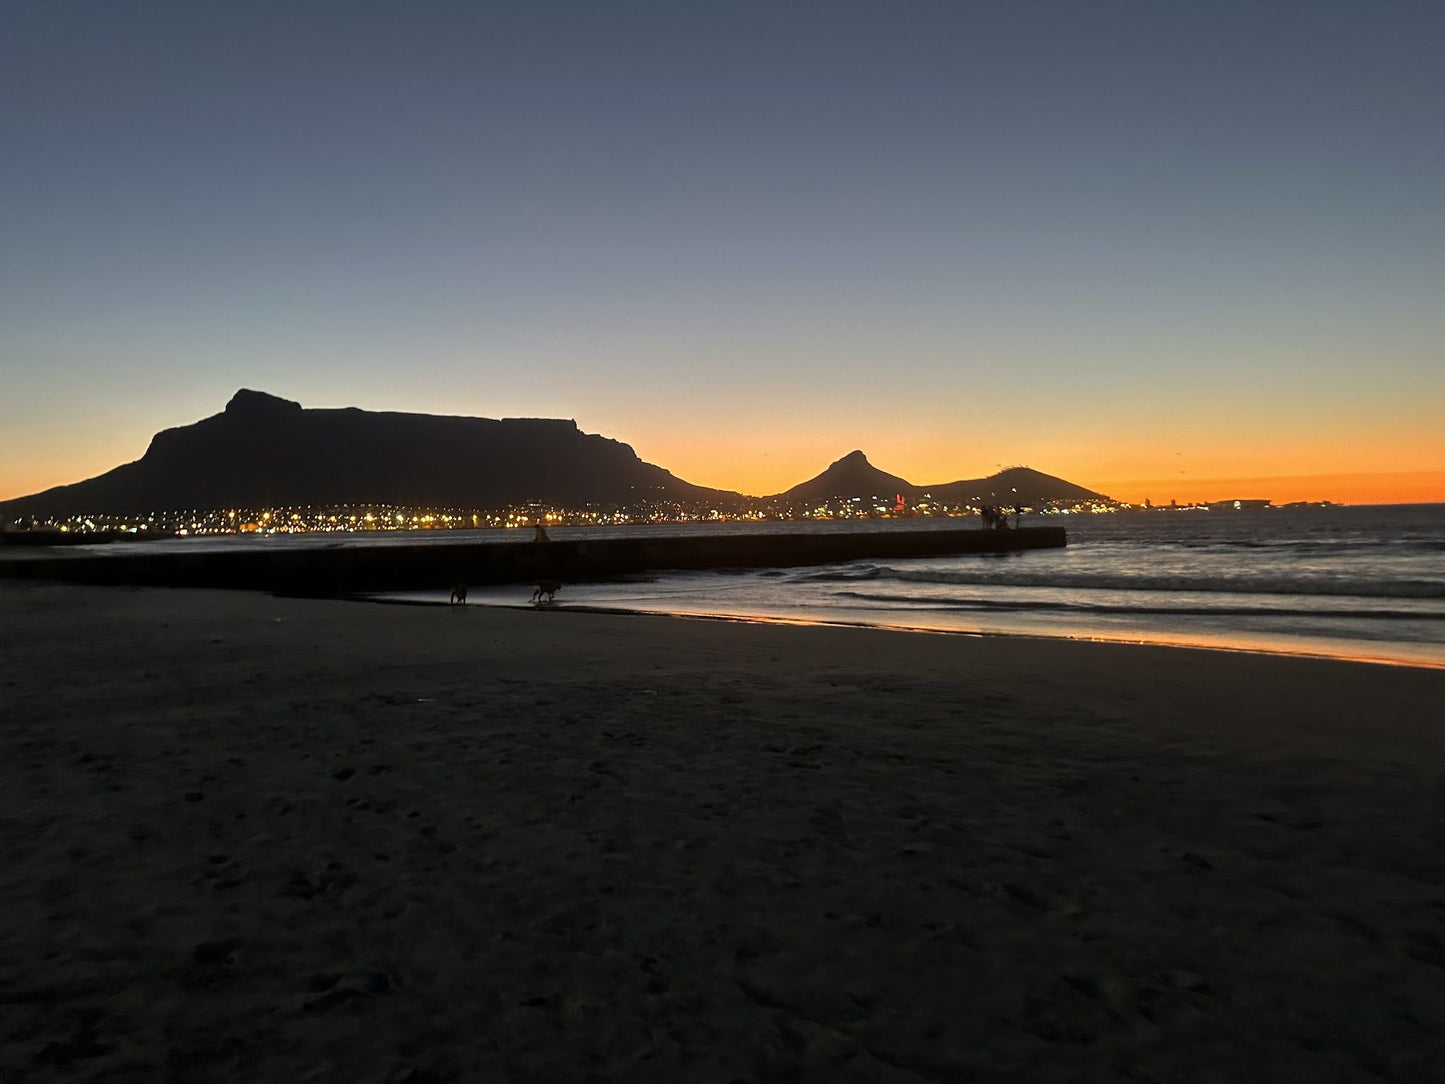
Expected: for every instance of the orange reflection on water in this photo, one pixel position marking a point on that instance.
(1416, 655)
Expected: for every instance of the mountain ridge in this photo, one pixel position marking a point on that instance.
(854, 476)
(265, 451)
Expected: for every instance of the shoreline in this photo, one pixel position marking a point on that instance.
(1182, 643)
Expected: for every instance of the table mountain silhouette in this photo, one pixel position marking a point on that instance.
(266, 452)
(263, 451)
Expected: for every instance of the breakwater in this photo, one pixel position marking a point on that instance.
(344, 570)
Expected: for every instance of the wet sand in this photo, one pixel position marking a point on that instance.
(248, 838)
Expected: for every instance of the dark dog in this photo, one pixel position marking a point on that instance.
(459, 595)
(545, 587)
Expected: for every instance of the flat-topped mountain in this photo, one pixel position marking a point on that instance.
(262, 451)
(853, 476)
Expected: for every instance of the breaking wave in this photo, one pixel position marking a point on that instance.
(1252, 583)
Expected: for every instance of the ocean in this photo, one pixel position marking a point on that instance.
(1352, 582)
(1362, 582)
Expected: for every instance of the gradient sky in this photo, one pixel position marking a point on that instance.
(1175, 250)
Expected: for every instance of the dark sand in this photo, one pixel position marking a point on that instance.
(247, 838)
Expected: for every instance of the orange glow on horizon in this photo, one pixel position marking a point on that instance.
(716, 468)
(26, 479)
(734, 458)
(1406, 466)
(1386, 487)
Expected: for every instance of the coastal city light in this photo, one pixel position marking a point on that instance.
(350, 519)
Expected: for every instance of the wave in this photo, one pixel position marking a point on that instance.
(846, 574)
(1258, 584)
(1056, 606)
(1345, 549)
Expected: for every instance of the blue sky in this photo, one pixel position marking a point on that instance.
(1116, 241)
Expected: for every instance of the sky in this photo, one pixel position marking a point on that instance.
(1169, 250)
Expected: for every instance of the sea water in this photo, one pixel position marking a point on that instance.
(1360, 582)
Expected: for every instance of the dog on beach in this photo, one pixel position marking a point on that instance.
(545, 587)
(459, 595)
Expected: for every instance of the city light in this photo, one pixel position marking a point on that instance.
(365, 518)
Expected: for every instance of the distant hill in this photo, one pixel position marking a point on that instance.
(1016, 485)
(853, 476)
(262, 451)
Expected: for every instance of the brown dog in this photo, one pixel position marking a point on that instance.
(459, 595)
(545, 587)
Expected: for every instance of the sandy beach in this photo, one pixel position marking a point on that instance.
(251, 838)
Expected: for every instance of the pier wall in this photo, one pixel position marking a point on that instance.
(349, 570)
